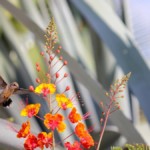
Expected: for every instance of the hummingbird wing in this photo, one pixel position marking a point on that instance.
(3, 84)
(22, 91)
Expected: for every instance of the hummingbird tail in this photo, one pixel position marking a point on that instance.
(7, 103)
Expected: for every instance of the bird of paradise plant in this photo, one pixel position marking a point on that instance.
(54, 120)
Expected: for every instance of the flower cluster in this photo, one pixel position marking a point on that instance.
(32, 141)
(54, 120)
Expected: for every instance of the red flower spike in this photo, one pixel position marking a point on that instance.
(74, 146)
(65, 62)
(24, 131)
(38, 80)
(65, 75)
(31, 142)
(57, 75)
(31, 88)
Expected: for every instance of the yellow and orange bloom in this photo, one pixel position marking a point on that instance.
(31, 110)
(80, 129)
(31, 142)
(63, 101)
(45, 89)
(24, 131)
(45, 139)
(74, 117)
(85, 138)
(54, 121)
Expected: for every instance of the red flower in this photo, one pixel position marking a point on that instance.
(74, 146)
(31, 142)
(24, 131)
(80, 129)
(87, 140)
(54, 121)
(45, 139)
(74, 117)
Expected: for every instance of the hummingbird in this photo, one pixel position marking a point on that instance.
(6, 90)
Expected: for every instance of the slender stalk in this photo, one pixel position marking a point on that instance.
(108, 111)
(103, 129)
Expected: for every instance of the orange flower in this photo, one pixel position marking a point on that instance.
(80, 129)
(45, 139)
(74, 146)
(31, 142)
(30, 110)
(45, 89)
(24, 131)
(63, 101)
(54, 121)
(87, 140)
(74, 117)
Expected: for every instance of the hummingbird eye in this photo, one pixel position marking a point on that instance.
(15, 84)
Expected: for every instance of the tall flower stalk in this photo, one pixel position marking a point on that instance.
(113, 105)
(54, 120)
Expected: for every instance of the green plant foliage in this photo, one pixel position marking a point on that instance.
(116, 148)
(132, 147)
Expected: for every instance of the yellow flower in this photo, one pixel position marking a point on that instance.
(31, 110)
(45, 89)
(63, 101)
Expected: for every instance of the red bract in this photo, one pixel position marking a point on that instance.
(74, 146)
(31, 142)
